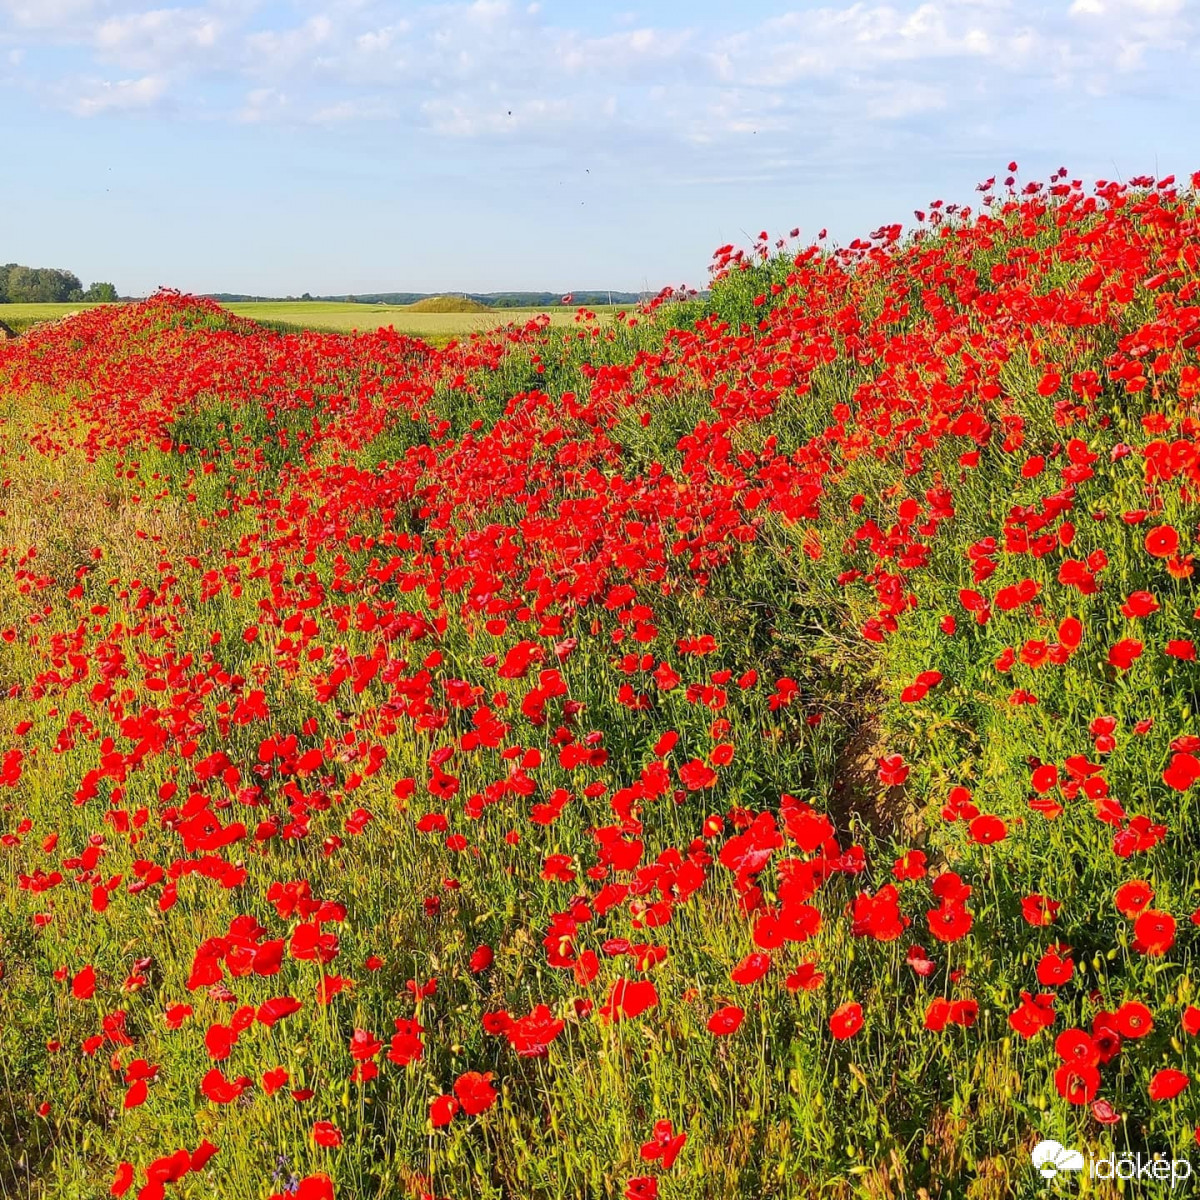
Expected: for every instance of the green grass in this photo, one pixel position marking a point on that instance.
(351, 544)
(446, 304)
(340, 317)
(343, 318)
(29, 314)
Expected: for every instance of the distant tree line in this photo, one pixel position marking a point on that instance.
(48, 285)
(588, 298)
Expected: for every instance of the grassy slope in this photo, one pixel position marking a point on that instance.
(343, 318)
(450, 304)
(42, 312)
(861, 377)
(20, 317)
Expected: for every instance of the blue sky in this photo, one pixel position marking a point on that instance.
(282, 146)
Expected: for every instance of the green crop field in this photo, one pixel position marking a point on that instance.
(340, 318)
(40, 312)
(21, 316)
(343, 318)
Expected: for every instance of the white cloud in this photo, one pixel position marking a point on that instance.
(52, 15)
(274, 52)
(896, 102)
(366, 109)
(262, 104)
(159, 38)
(379, 41)
(1162, 9)
(502, 69)
(465, 117)
(489, 10)
(123, 95)
(622, 54)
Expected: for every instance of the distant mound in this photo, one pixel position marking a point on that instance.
(449, 304)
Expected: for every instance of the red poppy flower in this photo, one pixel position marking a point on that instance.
(219, 1041)
(1125, 653)
(1182, 771)
(1034, 1014)
(726, 1020)
(642, 1187)
(629, 998)
(531, 1035)
(274, 1010)
(1167, 1084)
(1139, 604)
(326, 1134)
(1044, 778)
(1154, 933)
(311, 1187)
(475, 1092)
(805, 978)
(220, 1090)
(986, 830)
(1074, 1045)
(893, 770)
(1054, 968)
(1106, 1036)
(1070, 632)
(937, 1015)
(912, 865)
(665, 1146)
(83, 985)
(1077, 1083)
(122, 1179)
(949, 922)
(846, 1020)
(1039, 910)
(1133, 897)
(697, 775)
(442, 1110)
(751, 969)
(1162, 541)
(273, 1080)
(1133, 1019)
(406, 1045)
(364, 1045)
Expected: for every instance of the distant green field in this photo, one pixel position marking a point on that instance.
(343, 318)
(42, 312)
(21, 316)
(338, 318)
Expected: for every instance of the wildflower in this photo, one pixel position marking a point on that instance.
(726, 1020)
(846, 1020)
(474, 1092)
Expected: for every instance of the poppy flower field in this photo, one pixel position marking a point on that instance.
(748, 747)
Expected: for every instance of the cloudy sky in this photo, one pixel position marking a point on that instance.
(276, 146)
